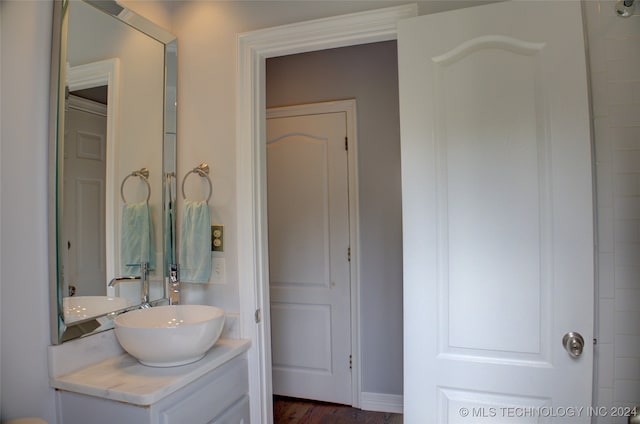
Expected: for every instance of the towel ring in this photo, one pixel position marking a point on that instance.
(203, 171)
(144, 175)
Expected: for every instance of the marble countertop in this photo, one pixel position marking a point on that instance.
(122, 378)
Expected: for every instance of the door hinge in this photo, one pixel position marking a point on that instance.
(258, 316)
(350, 362)
(349, 254)
(346, 144)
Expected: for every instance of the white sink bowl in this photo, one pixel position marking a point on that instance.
(168, 336)
(77, 308)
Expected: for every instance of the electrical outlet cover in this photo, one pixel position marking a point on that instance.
(217, 238)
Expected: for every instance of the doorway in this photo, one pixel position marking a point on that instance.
(253, 51)
(368, 74)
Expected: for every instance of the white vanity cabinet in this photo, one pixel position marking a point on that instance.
(119, 390)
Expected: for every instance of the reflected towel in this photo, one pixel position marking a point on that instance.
(195, 242)
(136, 238)
(169, 238)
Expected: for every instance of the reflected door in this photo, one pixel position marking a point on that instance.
(84, 198)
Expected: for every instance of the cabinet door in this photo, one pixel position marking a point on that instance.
(238, 414)
(209, 397)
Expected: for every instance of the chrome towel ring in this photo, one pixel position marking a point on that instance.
(143, 174)
(203, 171)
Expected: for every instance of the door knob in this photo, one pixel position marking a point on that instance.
(573, 343)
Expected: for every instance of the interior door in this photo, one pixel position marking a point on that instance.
(497, 214)
(308, 219)
(84, 197)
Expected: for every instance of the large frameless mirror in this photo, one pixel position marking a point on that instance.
(112, 164)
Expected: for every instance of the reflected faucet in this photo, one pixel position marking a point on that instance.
(174, 284)
(144, 277)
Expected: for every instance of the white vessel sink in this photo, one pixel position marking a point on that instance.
(168, 336)
(77, 308)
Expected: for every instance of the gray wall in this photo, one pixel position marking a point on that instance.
(369, 74)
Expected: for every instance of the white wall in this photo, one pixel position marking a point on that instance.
(369, 74)
(614, 49)
(24, 287)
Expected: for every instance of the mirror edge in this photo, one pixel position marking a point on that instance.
(131, 18)
(56, 102)
(58, 52)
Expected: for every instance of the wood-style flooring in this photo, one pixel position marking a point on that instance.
(291, 411)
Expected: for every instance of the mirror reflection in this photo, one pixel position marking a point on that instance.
(116, 152)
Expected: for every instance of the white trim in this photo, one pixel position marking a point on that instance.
(349, 107)
(253, 50)
(381, 402)
(96, 74)
(86, 105)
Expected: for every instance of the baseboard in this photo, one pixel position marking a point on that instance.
(381, 402)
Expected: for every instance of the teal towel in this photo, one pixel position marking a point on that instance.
(195, 242)
(169, 237)
(136, 238)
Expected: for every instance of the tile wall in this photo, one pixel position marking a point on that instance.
(614, 50)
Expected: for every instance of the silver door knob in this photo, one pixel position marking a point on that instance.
(573, 343)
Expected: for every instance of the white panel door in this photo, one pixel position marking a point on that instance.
(497, 214)
(308, 218)
(84, 202)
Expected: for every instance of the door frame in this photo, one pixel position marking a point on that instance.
(253, 48)
(349, 108)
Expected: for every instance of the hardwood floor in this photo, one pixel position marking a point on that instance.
(292, 411)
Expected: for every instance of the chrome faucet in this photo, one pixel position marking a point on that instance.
(144, 277)
(174, 284)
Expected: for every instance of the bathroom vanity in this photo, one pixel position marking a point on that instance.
(118, 389)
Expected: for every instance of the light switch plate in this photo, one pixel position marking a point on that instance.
(217, 271)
